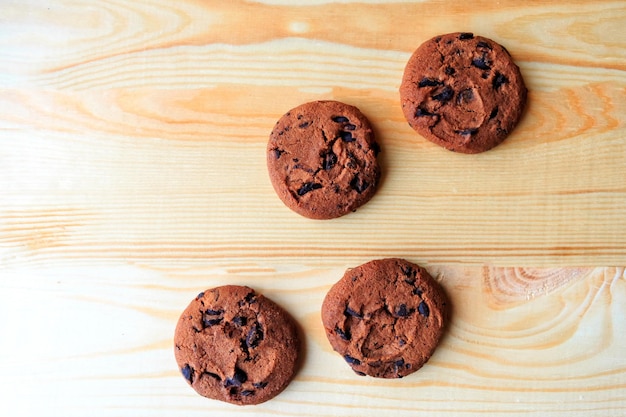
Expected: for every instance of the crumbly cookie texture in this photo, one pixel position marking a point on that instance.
(462, 92)
(235, 345)
(321, 159)
(385, 317)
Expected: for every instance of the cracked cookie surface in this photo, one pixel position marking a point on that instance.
(385, 317)
(235, 345)
(462, 92)
(321, 159)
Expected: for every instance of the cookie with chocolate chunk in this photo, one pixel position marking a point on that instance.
(235, 345)
(385, 317)
(462, 92)
(321, 158)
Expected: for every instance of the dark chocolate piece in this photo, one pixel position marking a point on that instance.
(445, 95)
(187, 372)
(423, 309)
(307, 187)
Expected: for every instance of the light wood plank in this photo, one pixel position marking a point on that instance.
(179, 173)
(521, 341)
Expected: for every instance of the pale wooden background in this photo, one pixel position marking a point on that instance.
(132, 176)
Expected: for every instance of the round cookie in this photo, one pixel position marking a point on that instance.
(321, 158)
(234, 345)
(462, 92)
(385, 317)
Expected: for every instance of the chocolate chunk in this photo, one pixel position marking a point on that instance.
(402, 311)
(352, 162)
(467, 132)
(481, 63)
(352, 313)
(350, 127)
(240, 321)
(211, 317)
(498, 80)
(211, 322)
(358, 184)
(466, 96)
(250, 297)
(493, 113)
(445, 95)
(418, 292)
(482, 44)
(308, 187)
(212, 375)
(247, 393)
(429, 82)
(344, 335)
(340, 119)
(423, 309)
(351, 360)
(230, 382)
(259, 385)
(449, 71)
(330, 159)
(244, 348)
(239, 377)
(255, 336)
(466, 35)
(409, 272)
(347, 137)
(304, 125)
(187, 372)
(199, 296)
(422, 112)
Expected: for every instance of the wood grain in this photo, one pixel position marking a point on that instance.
(521, 341)
(132, 175)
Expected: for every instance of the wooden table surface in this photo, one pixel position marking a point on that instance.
(132, 176)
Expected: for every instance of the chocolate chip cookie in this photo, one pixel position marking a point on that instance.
(235, 345)
(321, 158)
(385, 317)
(462, 92)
